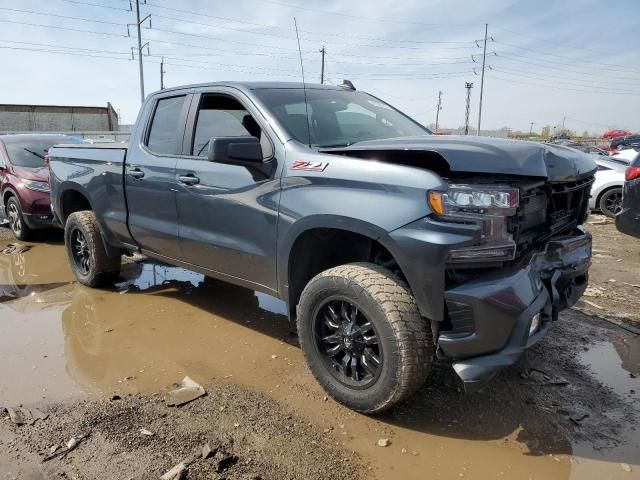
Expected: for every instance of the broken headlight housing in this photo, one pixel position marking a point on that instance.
(487, 206)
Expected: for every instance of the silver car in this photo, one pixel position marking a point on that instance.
(606, 192)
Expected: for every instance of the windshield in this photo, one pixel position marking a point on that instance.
(336, 117)
(30, 152)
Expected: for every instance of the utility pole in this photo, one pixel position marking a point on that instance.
(438, 108)
(162, 72)
(563, 119)
(531, 128)
(468, 86)
(323, 51)
(138, 24)
(484, 58)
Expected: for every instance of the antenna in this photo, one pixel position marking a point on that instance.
(304, 84)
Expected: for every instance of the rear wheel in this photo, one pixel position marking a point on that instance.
(16, 220)
(611, 202)
(90, 261)
(363, 337)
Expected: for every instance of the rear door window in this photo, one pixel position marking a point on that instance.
(165, 134)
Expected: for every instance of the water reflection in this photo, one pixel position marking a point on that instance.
(163, 322)
(160, 323)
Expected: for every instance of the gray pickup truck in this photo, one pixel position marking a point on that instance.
(391, 246)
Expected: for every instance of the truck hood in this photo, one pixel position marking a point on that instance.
(38, 174)
(483, 155)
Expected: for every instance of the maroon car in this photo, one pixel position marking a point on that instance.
(24, 181)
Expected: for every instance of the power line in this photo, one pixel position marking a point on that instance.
(554, 42)
(559, 88)
(208, 37)
(45, 14)
(351, 55)
(582, 60)
(171, 57)
(383, 20)
(579, 84)
(80, 54)
(324, 34)
(573, 80)
(552, 65)
(56, 27)
(470, 44)
(245, 31)
(65, 47)
(96, 5)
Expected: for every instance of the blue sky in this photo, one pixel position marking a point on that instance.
(573, 59)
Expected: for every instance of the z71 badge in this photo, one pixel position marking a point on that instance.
(309, 166)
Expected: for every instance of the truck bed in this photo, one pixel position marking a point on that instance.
(96, 172)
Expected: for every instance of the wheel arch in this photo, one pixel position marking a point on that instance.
(606, 189)
(72, 198)
(317, 243)
(7, 193)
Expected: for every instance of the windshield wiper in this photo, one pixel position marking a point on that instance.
(337, 145)
(34, 153)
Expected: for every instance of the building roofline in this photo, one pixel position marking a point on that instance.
(56, 106)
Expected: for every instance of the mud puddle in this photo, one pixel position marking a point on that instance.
(616, 363)
(60, 340)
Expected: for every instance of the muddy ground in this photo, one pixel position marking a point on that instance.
(568, 409)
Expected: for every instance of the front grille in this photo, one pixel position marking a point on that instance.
(547, 211)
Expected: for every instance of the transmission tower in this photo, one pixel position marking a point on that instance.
(468, 86)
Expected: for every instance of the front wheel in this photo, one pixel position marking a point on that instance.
(90, 261)
(363, 337)
(16, 220)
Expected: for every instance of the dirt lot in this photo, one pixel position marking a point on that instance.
(568, 409)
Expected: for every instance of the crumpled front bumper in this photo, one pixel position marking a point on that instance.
(497, 309)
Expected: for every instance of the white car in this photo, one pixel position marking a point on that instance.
(627, 155)
(606, 192)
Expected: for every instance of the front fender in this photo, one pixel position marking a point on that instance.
(288, 235)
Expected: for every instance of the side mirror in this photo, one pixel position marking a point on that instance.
(244, 150)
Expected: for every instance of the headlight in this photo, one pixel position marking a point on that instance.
(474, 199)
(487, 206)
(37, 186)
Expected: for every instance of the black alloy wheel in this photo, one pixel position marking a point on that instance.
(348, 343)
(80, 251)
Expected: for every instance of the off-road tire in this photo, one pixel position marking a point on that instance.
(104, 265)
(387, 302)
(24, 233)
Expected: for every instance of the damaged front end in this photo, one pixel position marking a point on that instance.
(498, 305)
(503, 250)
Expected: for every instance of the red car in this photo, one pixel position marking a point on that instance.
(611, 134)
(24, 181)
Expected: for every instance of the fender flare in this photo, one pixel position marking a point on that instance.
(65, 187)
(334, 222)
(9, 190)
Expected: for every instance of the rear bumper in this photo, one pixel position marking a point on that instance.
(497, 309)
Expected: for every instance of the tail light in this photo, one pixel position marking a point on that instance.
(632, 173)
(614, 152)
(46, 159)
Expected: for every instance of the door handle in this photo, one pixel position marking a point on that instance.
(135, 173)
(189, 179)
